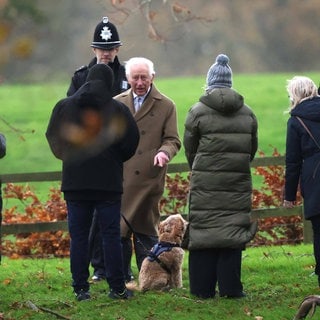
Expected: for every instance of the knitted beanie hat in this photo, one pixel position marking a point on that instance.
(219, 74)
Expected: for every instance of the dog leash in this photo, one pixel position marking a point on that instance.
(135, 234)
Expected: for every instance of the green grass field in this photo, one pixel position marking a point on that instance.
(27, 108)
(276, 279)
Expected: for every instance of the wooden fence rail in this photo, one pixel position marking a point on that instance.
(172, 168)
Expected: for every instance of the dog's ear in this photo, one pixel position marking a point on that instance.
(161, 227)
(177, 228)
(181, 224)
(168, 226)
(185, 224)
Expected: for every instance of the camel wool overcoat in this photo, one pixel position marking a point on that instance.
(143, 182)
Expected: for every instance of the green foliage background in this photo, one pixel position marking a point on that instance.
(276, 279)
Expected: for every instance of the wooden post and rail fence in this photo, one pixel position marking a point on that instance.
(172, 168)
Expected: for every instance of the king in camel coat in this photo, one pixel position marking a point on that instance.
(144, 182)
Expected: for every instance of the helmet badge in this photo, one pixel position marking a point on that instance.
(106, 34)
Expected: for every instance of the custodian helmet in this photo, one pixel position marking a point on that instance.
(105, 35)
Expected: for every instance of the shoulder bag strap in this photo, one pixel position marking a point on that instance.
(309, 132)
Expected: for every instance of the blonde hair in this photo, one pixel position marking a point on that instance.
(299, 89)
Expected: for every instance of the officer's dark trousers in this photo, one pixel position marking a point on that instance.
(209, 267)
(142, 245)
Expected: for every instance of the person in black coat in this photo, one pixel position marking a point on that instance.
(2, 154)
(93, 135)
(303, 154)
(105, 45)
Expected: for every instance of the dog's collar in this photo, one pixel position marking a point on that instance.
(160, 247)
(167, 244)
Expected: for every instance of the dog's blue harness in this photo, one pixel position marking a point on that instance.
(159, 248)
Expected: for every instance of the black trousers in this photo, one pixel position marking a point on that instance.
(142, 245)
(97, 256)
(211, 267)
(315, 222)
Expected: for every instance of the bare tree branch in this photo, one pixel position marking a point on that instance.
(180, 14)
(36, 308)
(12, 128)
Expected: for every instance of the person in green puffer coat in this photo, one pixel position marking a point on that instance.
(220, 141)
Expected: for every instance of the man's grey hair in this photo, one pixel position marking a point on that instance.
(138, 61)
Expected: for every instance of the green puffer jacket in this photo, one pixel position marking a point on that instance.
(220, 140)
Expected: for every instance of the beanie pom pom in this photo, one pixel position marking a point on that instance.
(219, 74)
(222, 59)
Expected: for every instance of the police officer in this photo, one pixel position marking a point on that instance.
(105, 45)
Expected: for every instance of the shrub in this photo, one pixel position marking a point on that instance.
(275, 230)
(272, 230)
(39, 244)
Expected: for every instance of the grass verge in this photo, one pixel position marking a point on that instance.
(276, 279)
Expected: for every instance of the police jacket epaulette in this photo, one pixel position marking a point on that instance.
(84, 67)
(120, 81)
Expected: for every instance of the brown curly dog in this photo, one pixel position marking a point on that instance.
(162, 269)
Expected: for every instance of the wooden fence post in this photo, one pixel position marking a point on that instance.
(307, 231)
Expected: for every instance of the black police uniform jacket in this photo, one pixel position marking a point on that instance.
(120, 83)
(92, 152)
